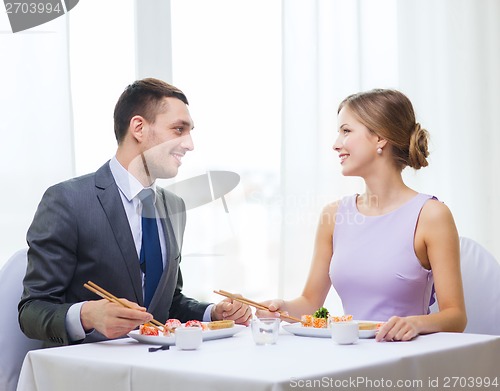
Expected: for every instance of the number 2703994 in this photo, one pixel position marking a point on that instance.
(33, 8)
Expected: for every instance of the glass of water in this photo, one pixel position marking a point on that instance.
(265, 331)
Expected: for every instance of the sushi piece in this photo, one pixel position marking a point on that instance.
(148, 329)
(307, 320)
(171, 325)
(196, 323)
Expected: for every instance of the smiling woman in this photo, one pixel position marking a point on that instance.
(402, 245)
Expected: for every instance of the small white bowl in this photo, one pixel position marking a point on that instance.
(345, 333)
(188, 338)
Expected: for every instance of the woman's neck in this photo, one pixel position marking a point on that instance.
(383, 194)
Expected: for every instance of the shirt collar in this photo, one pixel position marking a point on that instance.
(126, 182)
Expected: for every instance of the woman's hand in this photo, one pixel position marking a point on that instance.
(275, 307)
(398, 329)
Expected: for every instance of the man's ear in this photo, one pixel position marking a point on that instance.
(136, 127)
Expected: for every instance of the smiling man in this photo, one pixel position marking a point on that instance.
(116, 228)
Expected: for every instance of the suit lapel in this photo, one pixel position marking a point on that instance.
(109, 197)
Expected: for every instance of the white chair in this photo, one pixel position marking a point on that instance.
(13, 343)
(481, 281)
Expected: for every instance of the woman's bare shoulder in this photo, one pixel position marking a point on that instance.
(328, 214)
(436, 222)
(435, 211)
(331, 208)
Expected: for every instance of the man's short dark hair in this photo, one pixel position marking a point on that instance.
(145, 98)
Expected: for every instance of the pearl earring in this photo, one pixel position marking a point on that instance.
(379, 151)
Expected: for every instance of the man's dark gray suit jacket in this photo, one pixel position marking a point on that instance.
(80, 232)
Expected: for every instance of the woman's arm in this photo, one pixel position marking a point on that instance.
(318, 282)
(437, 245)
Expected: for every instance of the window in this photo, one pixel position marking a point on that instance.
(230, 69)
(102, 62)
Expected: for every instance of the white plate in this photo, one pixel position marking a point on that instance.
(298, 329)
(207, 335)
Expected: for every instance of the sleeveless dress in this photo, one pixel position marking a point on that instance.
(374, 268)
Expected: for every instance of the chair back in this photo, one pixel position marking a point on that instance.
(13, 343)
(481, 282)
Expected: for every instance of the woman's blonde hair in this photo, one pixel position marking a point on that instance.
(389, 114)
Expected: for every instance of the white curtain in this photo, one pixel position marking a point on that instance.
(153, 38)
(449, 65)
(36, 124)
(443, 55)
(103, 63)
(40, 146)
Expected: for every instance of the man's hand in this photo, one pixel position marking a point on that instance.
(111, 319)
(232, 309)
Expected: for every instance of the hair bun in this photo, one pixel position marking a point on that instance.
(418, 151)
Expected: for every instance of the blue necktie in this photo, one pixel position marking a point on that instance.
(150, 260)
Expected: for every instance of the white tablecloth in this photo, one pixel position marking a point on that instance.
(430, 362)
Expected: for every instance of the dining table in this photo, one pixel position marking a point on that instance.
(440, 361)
